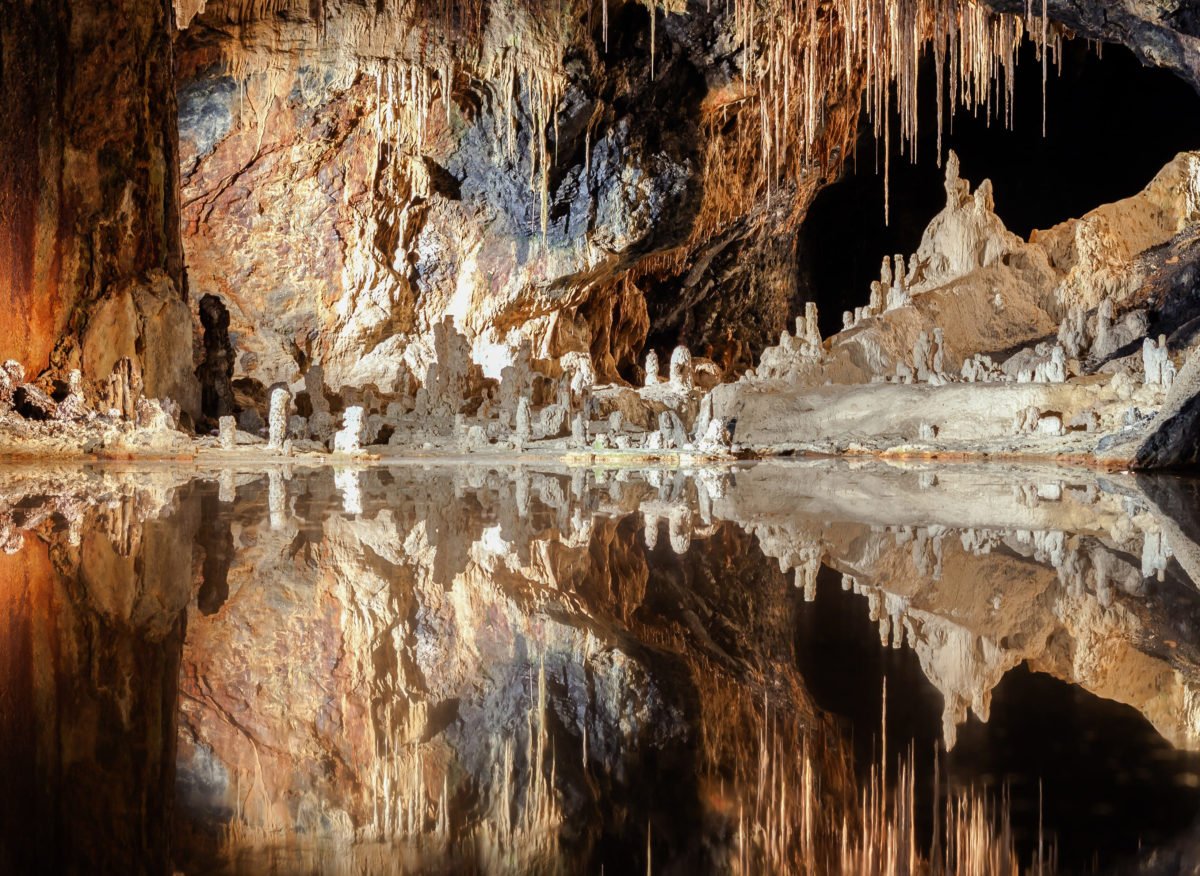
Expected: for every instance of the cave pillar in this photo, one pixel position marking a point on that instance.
(91, 264)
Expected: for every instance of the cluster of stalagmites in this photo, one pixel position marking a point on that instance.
(116, 402)
(915, 328)
(532, 403)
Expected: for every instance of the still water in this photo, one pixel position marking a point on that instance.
(809, 667)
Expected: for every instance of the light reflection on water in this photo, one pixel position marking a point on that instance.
(511, 669)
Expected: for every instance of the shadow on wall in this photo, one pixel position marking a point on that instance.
(1111, 124)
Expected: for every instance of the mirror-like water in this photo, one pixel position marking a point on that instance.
(455, 668)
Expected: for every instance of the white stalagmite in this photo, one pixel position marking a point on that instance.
(349, 438)
(524, 428)
(681, 369)
(651, 369)
(227, 432)
(277, 417)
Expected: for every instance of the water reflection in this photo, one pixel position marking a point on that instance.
(509, 669)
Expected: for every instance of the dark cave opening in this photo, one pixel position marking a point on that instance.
(1111, 124)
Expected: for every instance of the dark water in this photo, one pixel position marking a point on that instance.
(464, 668)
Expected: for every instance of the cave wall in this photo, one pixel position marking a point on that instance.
(563, 195)
(91, 265)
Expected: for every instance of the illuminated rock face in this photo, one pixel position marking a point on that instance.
(90, 256)
(339, 229)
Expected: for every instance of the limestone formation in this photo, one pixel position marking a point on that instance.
(1073, 334)
(349, 438)
(1026, 420)
(922, 353)
(73, 407)
(125, 387)
(715, 438)
(314, 385)
(579, 432)
(671, 431)
(681, 369)
(700, 427)
(227, 436)
(981, 369)
(277, 418)
(583, 378)
(651, 378)
(1157, 366)
(523, 430)
(1050, 424)
(554, 421)
(516, 381)
(476, 438)
(32, 403)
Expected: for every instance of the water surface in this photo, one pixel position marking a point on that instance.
(498, 668)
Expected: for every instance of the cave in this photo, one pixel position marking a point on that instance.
(423, 426)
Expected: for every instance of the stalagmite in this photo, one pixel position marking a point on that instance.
(921, 354)
(1056, 368)
(349, 438)
(715, 438)
(579, 432)
(938, 357)
(281, 399)
(700, 427)
(125, 387)
(878, 299)
(227, 432)
(524, 429)
(1072, 333)
(1157, 366)
(651, 378)
(681, 369)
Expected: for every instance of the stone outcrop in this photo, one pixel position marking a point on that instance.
(89, 194)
